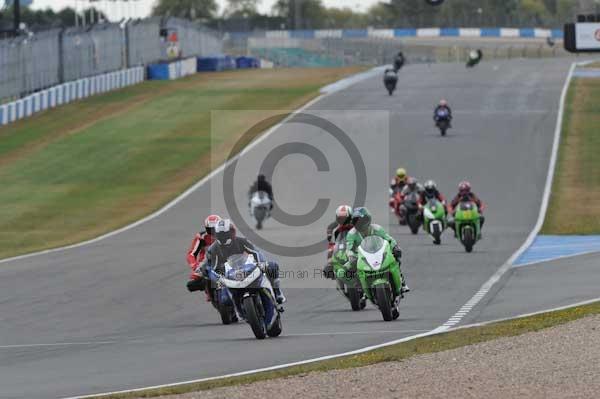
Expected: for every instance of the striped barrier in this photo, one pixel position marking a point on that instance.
(68, 92)
(172, 70)
(406, 32)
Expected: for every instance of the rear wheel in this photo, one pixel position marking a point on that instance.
(254, 318)
(384, 302)
(354, 296)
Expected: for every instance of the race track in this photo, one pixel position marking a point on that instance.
(115, 314)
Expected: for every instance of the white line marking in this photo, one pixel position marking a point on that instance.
(487, 286)
(57, 344)
(175, 201)
(281, 366)
(355, 333)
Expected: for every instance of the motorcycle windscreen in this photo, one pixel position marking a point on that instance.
(372, 244)
(239, 267)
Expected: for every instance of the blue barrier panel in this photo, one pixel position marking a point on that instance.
(490, 32)
(405, 32)
(158, 71)
(206, 64)
(449, 32)
(302, 34)
(246, 62)
(557, 33)
(526, 32)
(2, 114)
(355, 33)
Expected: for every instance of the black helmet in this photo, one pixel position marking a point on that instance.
(361, 219)
(224, 232)
(430, 188)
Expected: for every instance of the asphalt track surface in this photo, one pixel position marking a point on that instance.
(115, 314)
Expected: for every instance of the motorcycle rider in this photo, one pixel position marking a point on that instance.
(197, 253)
(396, 185)
(412, 185)
(443, 105)
(399, 60)
(342, 223)
(361, 220)
(429, 192)
(465, 193)
(261, 184)
(227, 243)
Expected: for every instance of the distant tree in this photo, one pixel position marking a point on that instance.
(301, 14)
(190, 9)
(248, 7)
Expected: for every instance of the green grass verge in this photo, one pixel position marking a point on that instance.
(574, 204)
(86, 168)
(393, 353)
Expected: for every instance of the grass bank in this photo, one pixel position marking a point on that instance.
(86, 168)
(394, 353)
(575, 200)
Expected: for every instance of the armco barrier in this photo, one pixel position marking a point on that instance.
(172, 70)
(69, 92)
(246, 62)
(217, 63)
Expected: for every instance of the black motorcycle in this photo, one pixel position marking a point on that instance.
(390, 80)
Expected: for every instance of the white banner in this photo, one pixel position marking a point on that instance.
(587, 36)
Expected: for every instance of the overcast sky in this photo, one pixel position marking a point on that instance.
(141, 8)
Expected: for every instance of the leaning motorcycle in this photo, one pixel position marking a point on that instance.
(467, 222)
(390, 80)
(442, 121)
(434, 219)
(260, 208)
(379, 275)
(410, 207)
(252, 295)
(345, 276)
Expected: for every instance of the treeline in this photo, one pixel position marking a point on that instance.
(47, 19)
(243, 15)
(312, 14)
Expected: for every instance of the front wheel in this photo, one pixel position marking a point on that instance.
(254, 318)
(443, 132)
(413, 223)
(468, 238)
(384, 302)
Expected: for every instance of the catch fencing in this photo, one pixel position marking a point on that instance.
(48, 58)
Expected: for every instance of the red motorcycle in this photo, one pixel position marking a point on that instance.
(395, 204)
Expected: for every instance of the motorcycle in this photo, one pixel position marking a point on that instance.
(252, 295)
(467, 222)
(260, 208)
(410, 207)
(395, 205)
(442, 121)
(346, 278)
(379, 275)
(434, 219)
(390, 80)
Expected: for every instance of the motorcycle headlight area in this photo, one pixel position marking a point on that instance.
(241, 279)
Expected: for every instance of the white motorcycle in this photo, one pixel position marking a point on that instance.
(260, 208)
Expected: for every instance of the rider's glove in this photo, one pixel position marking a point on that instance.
(397, 252)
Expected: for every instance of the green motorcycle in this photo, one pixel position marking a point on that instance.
(434, 219)
(346, 278)
(379, 275)
(467, 221)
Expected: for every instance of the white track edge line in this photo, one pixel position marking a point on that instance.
(176, 200)
(437, 331)
(271, 368)
(487, 286)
